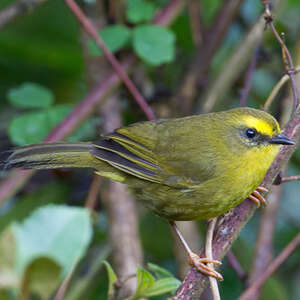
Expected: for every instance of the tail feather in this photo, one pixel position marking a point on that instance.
(50, 156)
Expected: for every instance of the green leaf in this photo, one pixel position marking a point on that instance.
(57, 232)
(112, 278)
(42, 277)
(154, 44)
(30, 95)
(114, 37)
(53, 192)
(162, 286)
(139, 10)
(31, 128)
(144, 281)
(159, 271)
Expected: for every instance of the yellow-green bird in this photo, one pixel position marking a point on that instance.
(187, 168)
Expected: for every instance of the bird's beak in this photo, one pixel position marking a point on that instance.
(280, 139)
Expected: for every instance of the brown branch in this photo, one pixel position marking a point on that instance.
(60, 294)
(234, 263)
(273, 266)
(86, 276)
(93, 193)
(264, 244)
(285, 78)
(18, 178)
(287, 58)
(290, 178)
(196, 24)
(17, 9)
(92, 31)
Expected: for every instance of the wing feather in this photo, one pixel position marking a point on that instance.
(126, 155)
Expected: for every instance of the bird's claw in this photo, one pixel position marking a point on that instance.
(257, 198)
(199, 264)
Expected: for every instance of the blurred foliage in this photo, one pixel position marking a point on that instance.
(147, 285)
(37, 253)
(43, 77)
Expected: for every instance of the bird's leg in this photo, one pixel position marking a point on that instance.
(257, 198)
(194, 259)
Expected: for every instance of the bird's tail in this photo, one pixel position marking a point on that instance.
(50, 156)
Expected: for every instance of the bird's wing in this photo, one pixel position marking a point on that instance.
(150, 151)
(121, 150)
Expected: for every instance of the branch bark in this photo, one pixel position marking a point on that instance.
(286, 252)
(264, 244)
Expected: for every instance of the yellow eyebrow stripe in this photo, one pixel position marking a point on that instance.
(260, 125)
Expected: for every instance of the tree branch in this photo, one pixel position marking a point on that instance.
(234, 263)
(287, 58)
(273, 266)
(92, 31)
(264, 244)
(290, 178)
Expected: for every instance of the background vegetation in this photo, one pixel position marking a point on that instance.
(206, 59)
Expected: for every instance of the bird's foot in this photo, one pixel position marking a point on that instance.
(257, 198)
(199, 264)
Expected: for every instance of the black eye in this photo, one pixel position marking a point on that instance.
(251, 133)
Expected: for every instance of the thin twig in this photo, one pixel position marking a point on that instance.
(290, 178)
(79, 287)
(192, 236)
(60, 295)
(287, 58)
(17, 9)
(236, 266)
(248, 77)
(196, 23)
(208, 253)
(285, 78)
(93, 192)
(273, 266)
(92, 31)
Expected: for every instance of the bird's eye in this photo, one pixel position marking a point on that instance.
(251, 133)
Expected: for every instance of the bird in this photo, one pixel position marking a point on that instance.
(183, 169)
